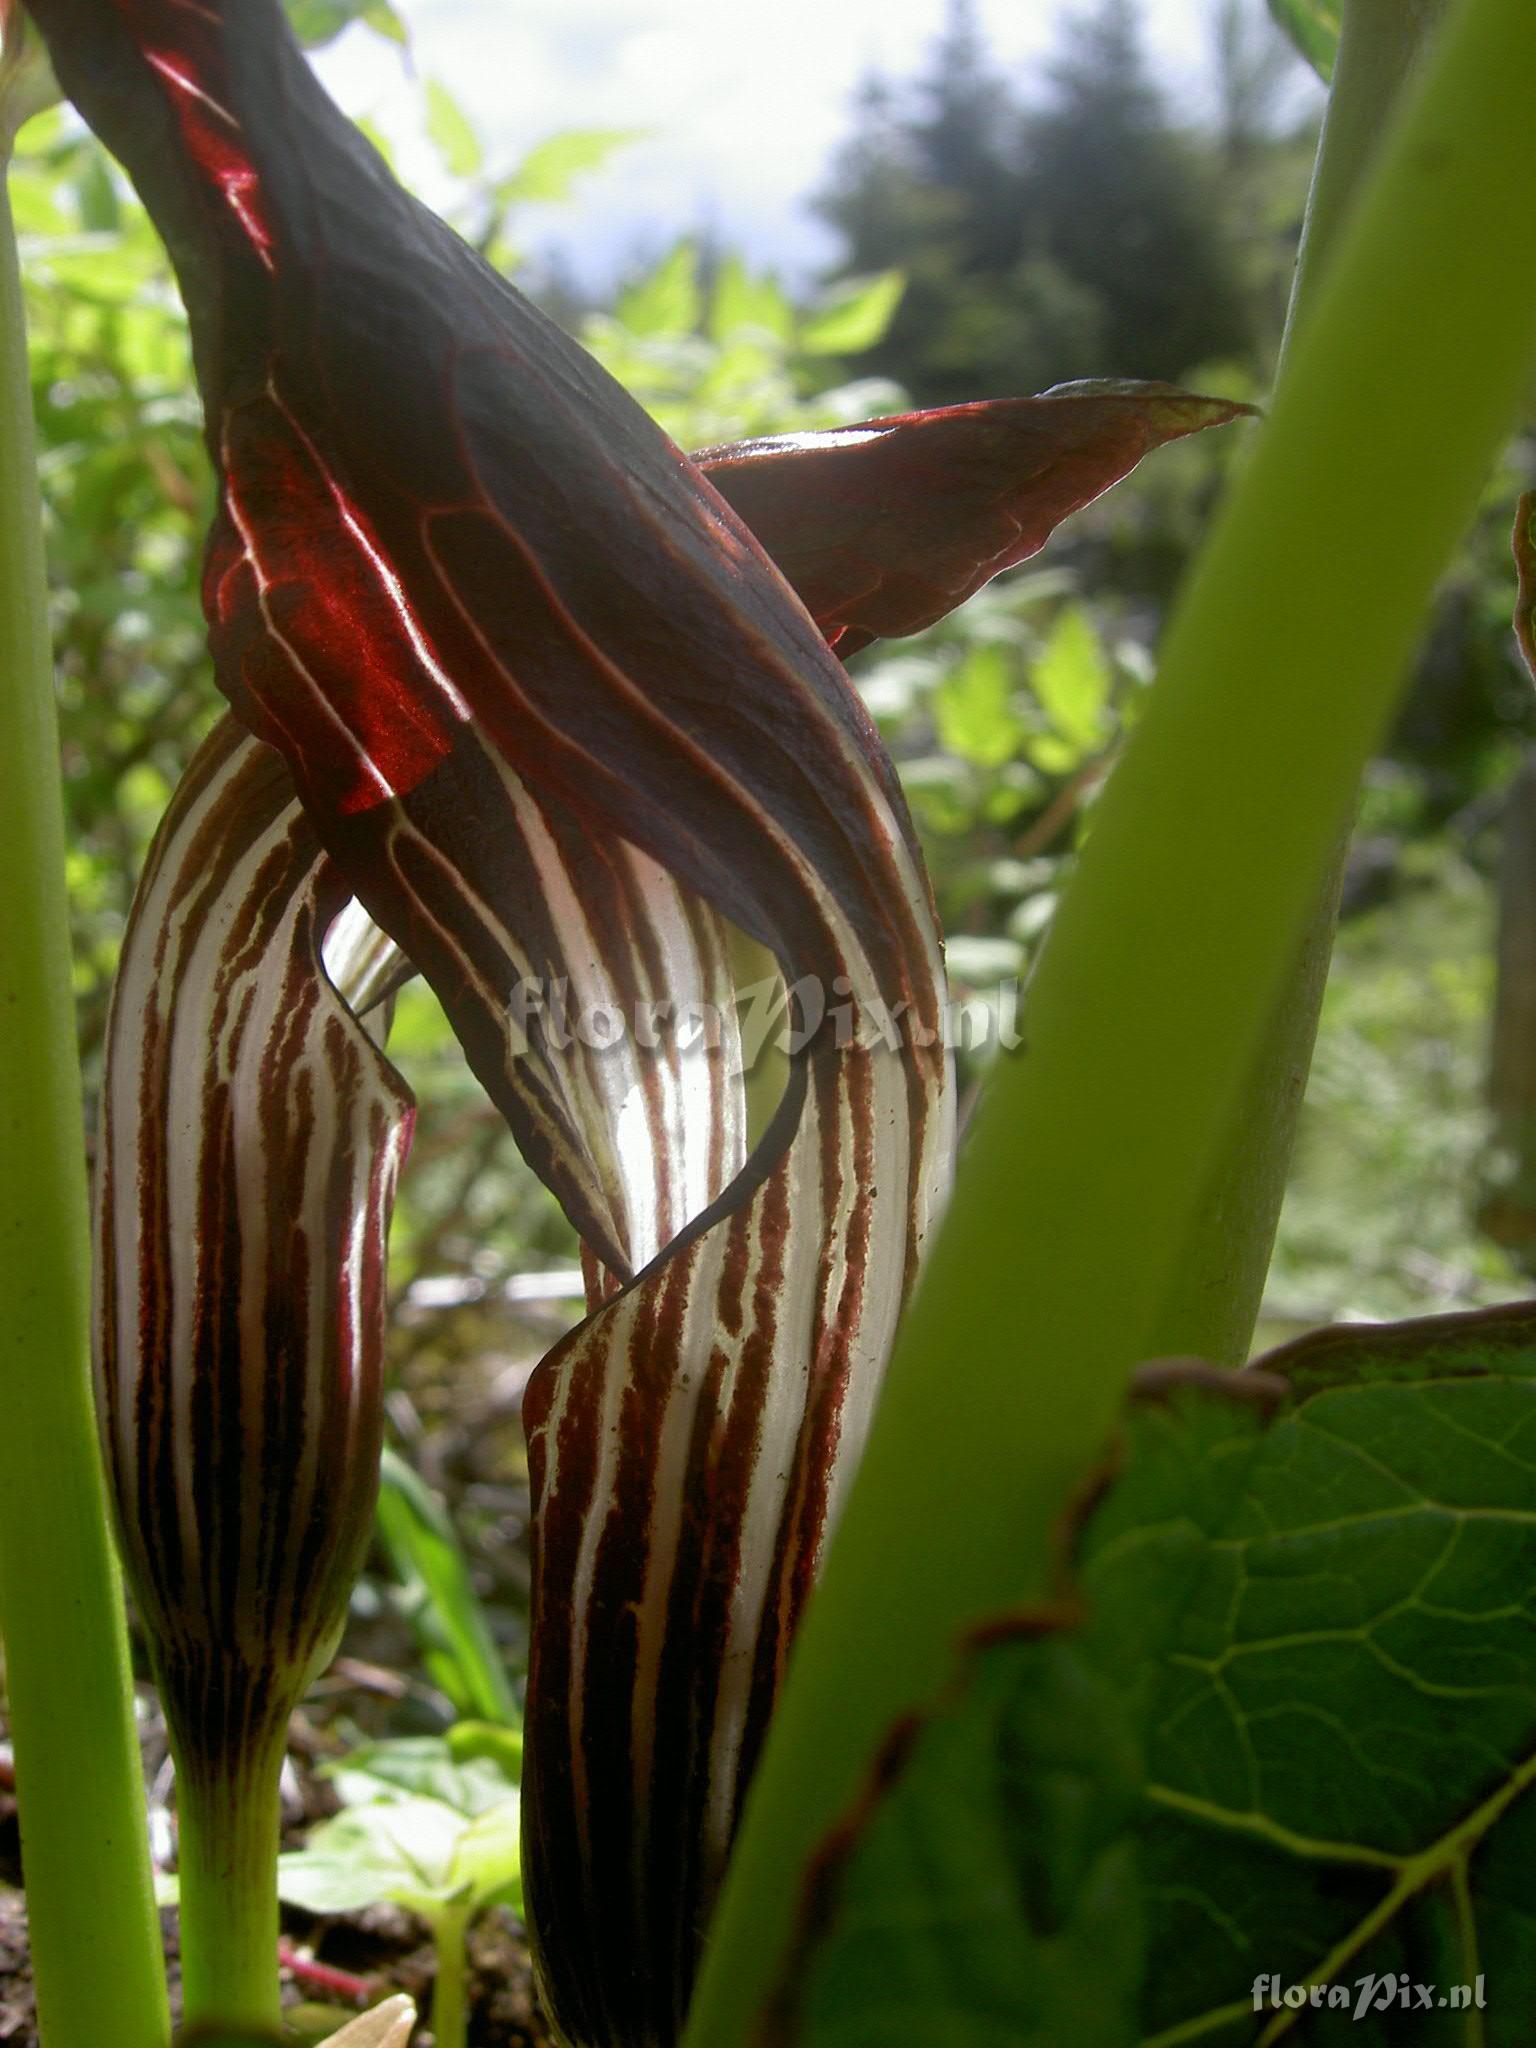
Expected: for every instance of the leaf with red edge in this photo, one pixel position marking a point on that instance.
(884, 527)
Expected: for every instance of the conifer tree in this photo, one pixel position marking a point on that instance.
(1077, 238)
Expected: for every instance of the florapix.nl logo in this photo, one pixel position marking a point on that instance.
(558, 1012)
(1393, 1991)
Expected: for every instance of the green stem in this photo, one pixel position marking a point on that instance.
(450, 1987)
(1218, 1285)
(94, 1932)
(1380, 45)
(1158, 988)
(227, 1834)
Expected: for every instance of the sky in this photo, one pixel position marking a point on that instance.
(743, 101)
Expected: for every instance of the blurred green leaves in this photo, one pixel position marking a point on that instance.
(316, 22)
(974, 711)
(458, 1649)
(1072, 679)
(853, 315)
(668, 302)
(487, 203)
(718, 351)
(745, 303)
(125, 486)
(550, 169)
(451, 132)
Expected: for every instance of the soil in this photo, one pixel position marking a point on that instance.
(347, 1962)
(375, 1953)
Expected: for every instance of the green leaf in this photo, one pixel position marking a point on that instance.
(488, 1862)
(451, 133)
(551, 167)
(747, 303)
(427, 1822)
(974, 710)
(320, 21)
(470, 1778)
(400, 1852)
(1286, 1728)
(500, 1746)
(1313, 26)
(1071, 678)
(853, 316)
(667, 302)
(414, 1853)
(461, 1652)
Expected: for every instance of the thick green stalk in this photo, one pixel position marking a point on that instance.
(95, 1936)
(1380, 42)
(227, 1835)
(1159, 984)
(1216, 1291)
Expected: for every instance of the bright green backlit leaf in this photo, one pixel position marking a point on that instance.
(551, 167)
(399, 1852)
(974, 710)
(1290, 1734)
(320, 21)
(487, 1864)
(745, 301)
(1313, 26)
(1071, 678)
(450, 132)
(1054, 756)
(853, 316)
(488, 1741)
(668, 301)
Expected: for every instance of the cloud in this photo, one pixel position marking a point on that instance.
(745, 104)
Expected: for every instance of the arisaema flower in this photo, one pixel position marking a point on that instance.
(522, 684)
